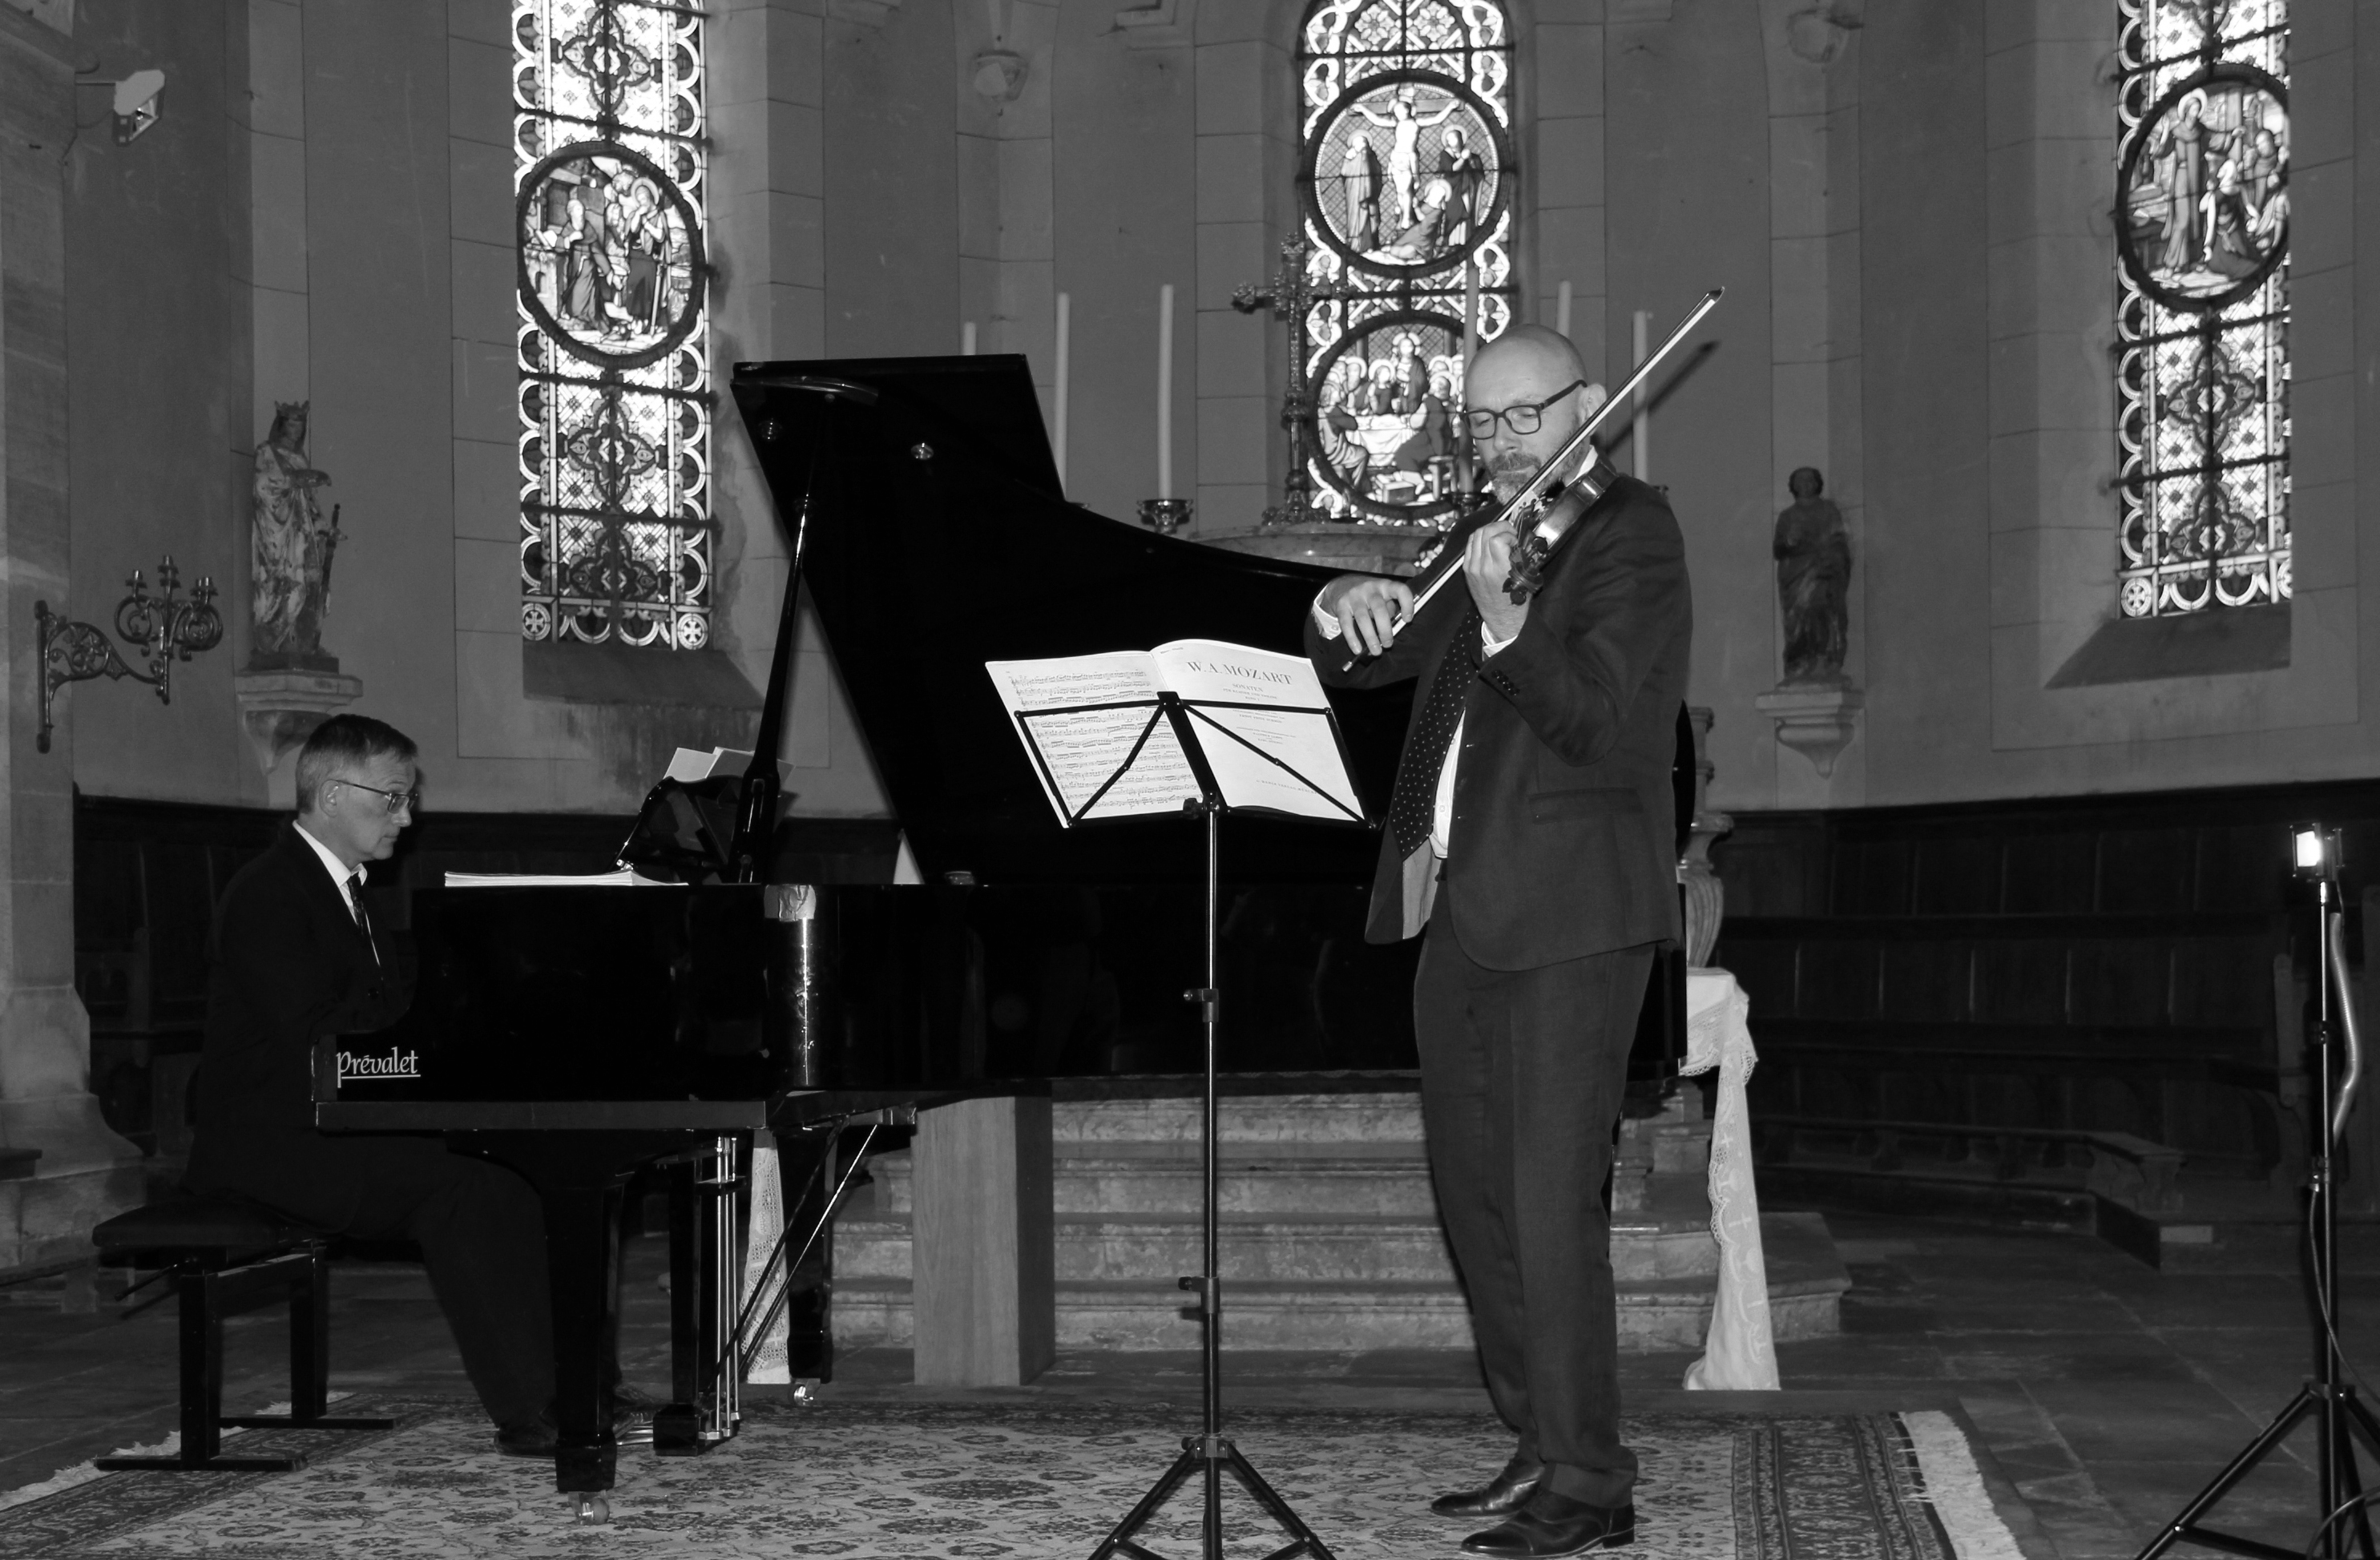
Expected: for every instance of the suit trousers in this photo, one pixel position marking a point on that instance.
(481, 1231)
(1522, 1074)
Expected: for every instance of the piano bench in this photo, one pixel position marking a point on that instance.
(218, 1253)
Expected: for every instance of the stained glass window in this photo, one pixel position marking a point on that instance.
(1407, 185)
(615, 352)
(2203, 369)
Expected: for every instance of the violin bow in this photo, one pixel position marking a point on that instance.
(1548, 475)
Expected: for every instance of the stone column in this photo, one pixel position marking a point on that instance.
(85, 1173)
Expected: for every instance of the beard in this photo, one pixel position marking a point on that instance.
(1507, 474)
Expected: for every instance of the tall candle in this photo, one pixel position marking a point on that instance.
(1470, 314)
(1165, 391)
(967, 339)
(1640, 440)
(1065, 316)
(1561, 312)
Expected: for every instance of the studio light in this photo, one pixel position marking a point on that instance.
(2317, 850)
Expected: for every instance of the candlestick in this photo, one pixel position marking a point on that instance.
(1465, 447)
(1470, 314)
(1165, 391)
(1065, 316)
(1561, 312)
(1640, 439)
(967, 339)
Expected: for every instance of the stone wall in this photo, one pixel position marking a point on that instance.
(1907, 204)
(85, 1172)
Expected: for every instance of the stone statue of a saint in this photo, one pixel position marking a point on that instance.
(1814, 572)
(293, 547)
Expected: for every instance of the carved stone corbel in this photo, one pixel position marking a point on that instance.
(1815, 720)
(282, 709)
(871, 14)
(1164, 24)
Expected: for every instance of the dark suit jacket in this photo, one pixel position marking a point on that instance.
(1563, 841)
(288, 964)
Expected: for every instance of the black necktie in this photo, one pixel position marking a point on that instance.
(356, 905)
(1416, 800)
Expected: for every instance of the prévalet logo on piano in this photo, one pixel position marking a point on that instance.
(396, 1064)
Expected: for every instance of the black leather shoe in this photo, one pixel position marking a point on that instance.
(1500, 1496)
(535, 1439)
(1553, 1525)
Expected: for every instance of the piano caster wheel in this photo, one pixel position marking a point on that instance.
(590, 1511)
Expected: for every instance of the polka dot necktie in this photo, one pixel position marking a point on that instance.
(1416, 799)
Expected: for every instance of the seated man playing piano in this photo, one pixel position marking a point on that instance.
(294, 956)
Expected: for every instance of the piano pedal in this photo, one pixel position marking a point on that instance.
(589, 1510)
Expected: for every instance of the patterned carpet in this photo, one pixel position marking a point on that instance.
(873, 1483)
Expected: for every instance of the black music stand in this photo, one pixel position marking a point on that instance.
(1209, 1450)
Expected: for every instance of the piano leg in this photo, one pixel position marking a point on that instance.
(580, 1176)
(706, 1286)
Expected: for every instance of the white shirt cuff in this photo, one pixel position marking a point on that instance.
(1323, 621)
(1489, 644)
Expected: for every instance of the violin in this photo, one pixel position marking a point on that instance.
(1544, 510)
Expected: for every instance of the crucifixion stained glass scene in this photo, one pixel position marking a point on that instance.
(615, 355)
(2203, 369)
(1407, 190)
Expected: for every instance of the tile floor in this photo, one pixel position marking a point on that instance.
(2103, 1392)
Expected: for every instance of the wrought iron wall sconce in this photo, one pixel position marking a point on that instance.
(165, 626)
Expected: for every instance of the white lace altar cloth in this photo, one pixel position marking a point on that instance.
(1740, 1351)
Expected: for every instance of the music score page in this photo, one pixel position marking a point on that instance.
(1251, 712)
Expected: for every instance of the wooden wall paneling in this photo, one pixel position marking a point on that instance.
(1871, 877)
(2049, 873)
(1930, 980)
(2146, 870)
(1956, 875)
(1838, 979)
(2123, 981)
(2021, 980)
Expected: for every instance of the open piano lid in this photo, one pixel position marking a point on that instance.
(938, 541)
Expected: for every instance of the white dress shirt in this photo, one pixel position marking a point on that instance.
(1442, 814)
(341, 874)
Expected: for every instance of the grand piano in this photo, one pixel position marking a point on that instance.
(582, 1035)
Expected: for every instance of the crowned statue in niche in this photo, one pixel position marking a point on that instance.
(1813, 550)
(294, 543)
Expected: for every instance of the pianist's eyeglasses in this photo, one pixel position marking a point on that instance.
(1524, 419)
(398, 801)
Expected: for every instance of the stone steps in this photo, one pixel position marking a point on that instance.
(1327, 1235)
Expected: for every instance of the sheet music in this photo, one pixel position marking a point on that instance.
(1206, 671)
(1080, 749)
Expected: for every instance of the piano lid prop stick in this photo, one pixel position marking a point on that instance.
(1562, 311)
(1165, 391)
(1065, 312)
(1560, 460)
(967, 339)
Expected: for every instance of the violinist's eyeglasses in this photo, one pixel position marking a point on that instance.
(1524, 419)
(398, 801)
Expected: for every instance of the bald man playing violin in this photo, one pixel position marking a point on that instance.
(1532, 843)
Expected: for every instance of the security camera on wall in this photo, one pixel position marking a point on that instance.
(135, 104)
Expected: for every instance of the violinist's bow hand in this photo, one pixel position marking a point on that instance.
(1371, 611)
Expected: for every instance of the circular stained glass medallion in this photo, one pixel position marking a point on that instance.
(1385, 400)
(1408, 171)
(610, 254)
(2204, 213)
